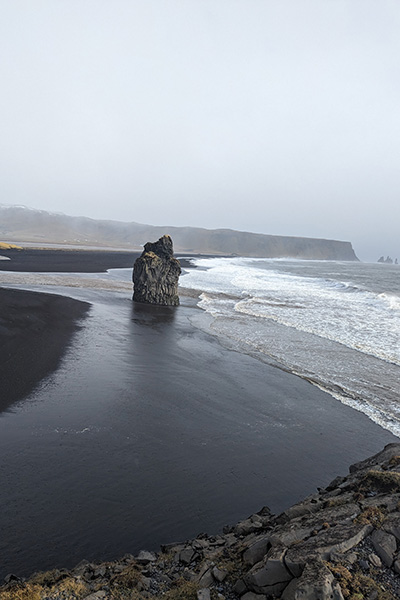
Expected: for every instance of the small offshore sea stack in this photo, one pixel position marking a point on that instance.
(156, 274)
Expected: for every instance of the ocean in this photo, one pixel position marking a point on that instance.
(337, 324)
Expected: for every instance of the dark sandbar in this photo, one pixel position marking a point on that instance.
(37, 260)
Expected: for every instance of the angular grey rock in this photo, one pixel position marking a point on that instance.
(144, 557)
(389, 502)
(294, 535)
(351, 558)
(253, 596)
(240, 587)
(118, 569)
(156, 274)
(290, 590)
(385, 546)
(375, 560)
(317, 583)
(99, 572)
(248, 526)
(187, 555)
(335, 483)
(200, 545)
(271, 575)
(256, 551)
(203, 594)
(339, 539)
(205, 577)
(392, 525)
(309, 505)
(219, 574)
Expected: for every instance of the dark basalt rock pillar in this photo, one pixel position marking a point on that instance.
(156, 273)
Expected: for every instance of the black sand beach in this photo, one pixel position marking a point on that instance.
(156, 432)
(37, 260)
(35, 330)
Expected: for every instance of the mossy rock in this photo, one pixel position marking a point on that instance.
(382, 482)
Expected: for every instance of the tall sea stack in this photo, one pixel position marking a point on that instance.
(156, 273)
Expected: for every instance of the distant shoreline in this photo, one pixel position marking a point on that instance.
(72, 260)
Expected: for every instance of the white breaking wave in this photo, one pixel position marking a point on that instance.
(336, 310)
(331, 324)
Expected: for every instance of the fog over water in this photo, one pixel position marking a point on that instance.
(270, 116)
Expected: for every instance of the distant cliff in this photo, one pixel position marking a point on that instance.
(18, 223)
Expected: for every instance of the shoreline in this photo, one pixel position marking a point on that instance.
(253, 426)
(36, 330)
(67, 260)
(37, 327)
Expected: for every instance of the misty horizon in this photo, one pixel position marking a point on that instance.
(172, 225)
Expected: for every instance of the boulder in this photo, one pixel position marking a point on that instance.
(339, 539)
(375, 560)
(156, 274)
(219, 574)
(385, 546)
(187, 555)
(256, 551)
(271, 575)
(205, 577)
(317, 583)
(144, 557)
(203, 594)
(392, 525)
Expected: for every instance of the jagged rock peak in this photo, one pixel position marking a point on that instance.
(163, 247)
(156, 274)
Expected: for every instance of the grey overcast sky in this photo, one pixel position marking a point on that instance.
(273, 116)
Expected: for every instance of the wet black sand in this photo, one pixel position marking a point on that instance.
(35, 330)
(156, 432)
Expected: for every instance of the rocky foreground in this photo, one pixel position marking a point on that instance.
(342, 542)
